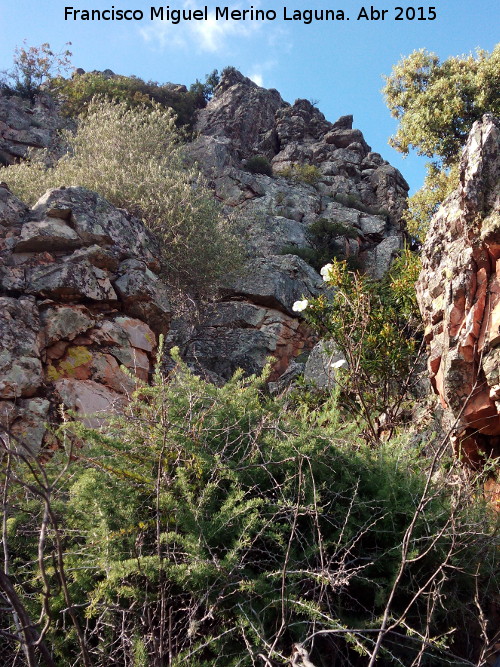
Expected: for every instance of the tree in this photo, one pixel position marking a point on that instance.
(33, 66)
(436, 102)
(206, 89)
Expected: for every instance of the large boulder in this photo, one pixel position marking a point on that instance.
(80, 298)
(459, 296)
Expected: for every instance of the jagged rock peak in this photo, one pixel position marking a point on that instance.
(258, 121)
(459, 296)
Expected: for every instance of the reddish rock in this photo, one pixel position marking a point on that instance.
(68, 339)
(459, 296)
(92, 400)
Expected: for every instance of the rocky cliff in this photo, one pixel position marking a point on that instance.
(320, 171)
(459, 296)
(24, 125)
(79, 278)
(79, 299)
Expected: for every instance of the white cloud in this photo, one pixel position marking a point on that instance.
(209, 35)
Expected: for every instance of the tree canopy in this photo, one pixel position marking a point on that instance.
(437, 102)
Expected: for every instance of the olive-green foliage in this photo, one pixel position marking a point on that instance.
(259, 164)
(78, 91)
(302, 173)
(134, 158)
(377, 327)
(324, 237)
(438, 184)
(213, 524)
(436, 102)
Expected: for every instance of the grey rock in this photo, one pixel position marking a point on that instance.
(96, 221)
(143, 295)
(20, 365)
(50, 234)
(70, 282)
(318, 369)
(277, 282)
(26, 420)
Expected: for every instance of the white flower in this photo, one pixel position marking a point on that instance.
(299, 306)
(340, 363)
(325, 271)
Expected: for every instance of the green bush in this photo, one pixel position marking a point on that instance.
(133, 157)
(302, 173)
(259, 164)
(213, 525)
(323, 235)
(376, 325)
(77, 93)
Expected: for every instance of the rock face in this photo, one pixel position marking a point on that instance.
(79, 278)
(24, 125)
(79, 299)
(459, 296)
(320, 170)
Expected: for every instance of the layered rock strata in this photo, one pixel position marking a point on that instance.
(80, 301)
(459, 296)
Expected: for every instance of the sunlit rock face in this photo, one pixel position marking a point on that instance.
(459, 296)
(317, 170)
(80, 278)
(80, 299)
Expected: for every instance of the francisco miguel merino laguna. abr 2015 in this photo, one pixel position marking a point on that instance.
(306, 16)
(176, 16)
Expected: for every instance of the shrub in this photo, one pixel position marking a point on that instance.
(214, 525)
(33, 66)
(77, 93)
(377, 327)
(302, 173)
(133, 158)
(259, 164)
(323, 236)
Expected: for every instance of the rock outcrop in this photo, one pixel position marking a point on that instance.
(459, 296)
(24, 125)
(79, 300)
(80, 277)
(320, 170)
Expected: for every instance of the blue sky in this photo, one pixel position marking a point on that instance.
(339, 64)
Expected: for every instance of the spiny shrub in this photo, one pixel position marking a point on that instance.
(259, 164)
(134, 158)
(213, 526)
